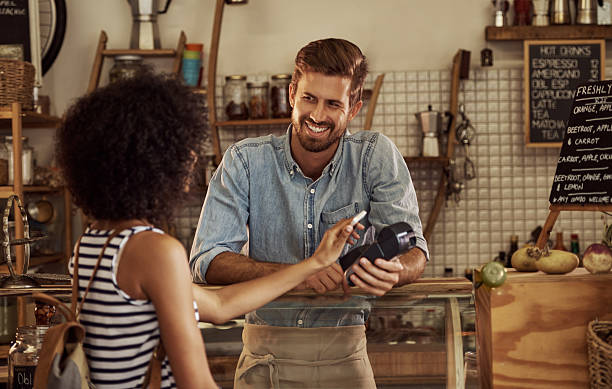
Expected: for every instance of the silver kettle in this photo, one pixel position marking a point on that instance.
(145, 32)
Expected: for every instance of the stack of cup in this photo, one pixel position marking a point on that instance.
(192, 64)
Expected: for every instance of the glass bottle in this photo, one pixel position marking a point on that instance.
(125, 66)
(258, 100)
(27, 160)
(559, 242)
(513, 248)
(280, 106)
(235, 98)
(575, 247)
(501, 258)
(23, 356)
(4, 164)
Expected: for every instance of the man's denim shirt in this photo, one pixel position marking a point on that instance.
(258, 184)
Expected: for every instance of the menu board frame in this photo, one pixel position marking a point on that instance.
(584, 168)
(20, 34)
(591, 137)
(529, 142)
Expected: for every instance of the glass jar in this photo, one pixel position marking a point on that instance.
(4, 164)
(23, 356)
(27, 160)
(235, 98)
(126, 66)
(258, 99)
(8, 319)
(279, 96)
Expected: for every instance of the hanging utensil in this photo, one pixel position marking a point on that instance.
(465, 134)
(15, 280)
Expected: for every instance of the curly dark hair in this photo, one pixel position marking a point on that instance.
(127, 150)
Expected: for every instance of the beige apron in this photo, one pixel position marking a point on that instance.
(294, 358)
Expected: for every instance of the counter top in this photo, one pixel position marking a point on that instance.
(423, 287)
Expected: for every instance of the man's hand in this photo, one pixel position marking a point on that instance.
(326, 280)
(377, 278)
(380, 277)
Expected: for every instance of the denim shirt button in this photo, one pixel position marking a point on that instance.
(309, 225)
(300, 322)
(312, 191)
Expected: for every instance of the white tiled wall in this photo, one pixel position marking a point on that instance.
(510, 192)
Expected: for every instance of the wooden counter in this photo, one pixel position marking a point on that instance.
(531, 331)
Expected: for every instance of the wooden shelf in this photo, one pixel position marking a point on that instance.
(144, 53)
(253, 122)
(6, 191)
(435, 160)
(517, 33)
(37, 260)
(30, 119)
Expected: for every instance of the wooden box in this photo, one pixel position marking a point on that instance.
(531, 331)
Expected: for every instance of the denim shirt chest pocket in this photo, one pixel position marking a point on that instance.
(329, 218)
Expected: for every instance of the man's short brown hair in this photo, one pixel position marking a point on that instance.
(333, 57)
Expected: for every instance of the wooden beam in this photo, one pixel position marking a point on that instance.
(373, 100)
(94, 78)
(212, 75)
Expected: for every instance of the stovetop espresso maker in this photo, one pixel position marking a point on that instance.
(145, 32)
(430, 122)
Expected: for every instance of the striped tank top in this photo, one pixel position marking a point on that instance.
(121, 332)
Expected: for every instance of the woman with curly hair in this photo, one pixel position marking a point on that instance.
(127, 152)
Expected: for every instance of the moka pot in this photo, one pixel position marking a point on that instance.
(145, 32)
(430, 122)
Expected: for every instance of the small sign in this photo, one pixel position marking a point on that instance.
(553, 71)
(15, 30)
(584, 167)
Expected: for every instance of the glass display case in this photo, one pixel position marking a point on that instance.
(420, 335)
(18, 309)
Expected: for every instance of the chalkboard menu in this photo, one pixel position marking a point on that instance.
(15, 30)
(553, 70)
(584, 168)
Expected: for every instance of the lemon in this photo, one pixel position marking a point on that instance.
(493, 274)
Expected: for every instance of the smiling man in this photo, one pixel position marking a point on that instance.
(280, 194)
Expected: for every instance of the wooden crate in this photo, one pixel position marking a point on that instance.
(531, 331)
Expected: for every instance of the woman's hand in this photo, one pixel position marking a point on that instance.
(333, 242)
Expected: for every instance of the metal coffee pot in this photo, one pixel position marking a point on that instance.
(430, 122)
(145, 32)
(560, 12)
(586, 11)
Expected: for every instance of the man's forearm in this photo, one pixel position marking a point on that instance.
(414, 265)
(229, 268)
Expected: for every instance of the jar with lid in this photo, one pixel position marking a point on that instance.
(27, 160)
(23, 356)
(258, 99)
(126, 66)
(279, 96)
(235, 98)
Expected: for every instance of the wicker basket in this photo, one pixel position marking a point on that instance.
(600, 354)
(16, 83)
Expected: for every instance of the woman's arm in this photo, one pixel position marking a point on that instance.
(154, 266)
(223, 304)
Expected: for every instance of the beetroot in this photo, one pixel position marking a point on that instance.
(597, 258)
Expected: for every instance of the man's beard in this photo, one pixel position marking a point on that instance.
(315, 145)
